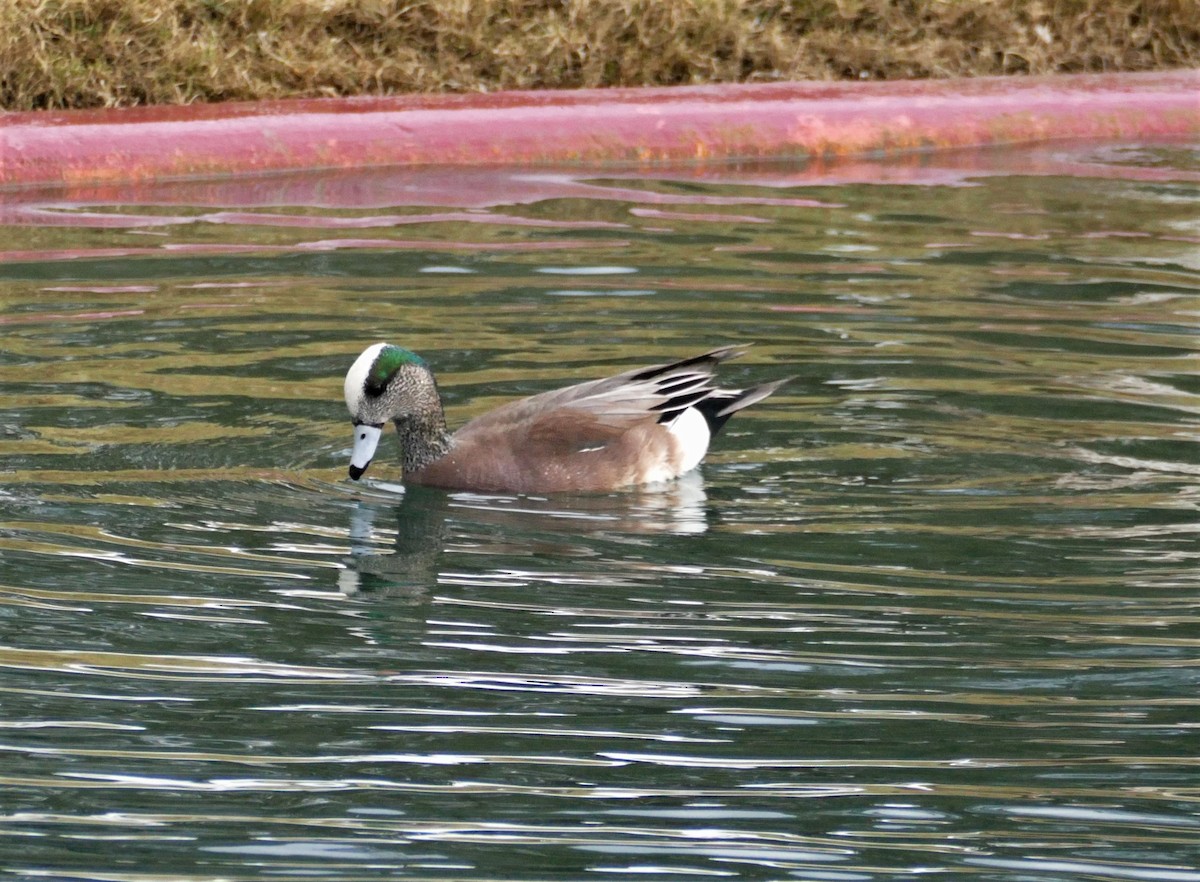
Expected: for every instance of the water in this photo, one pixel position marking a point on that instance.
(929, 610)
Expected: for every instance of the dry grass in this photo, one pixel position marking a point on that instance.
(89, 53)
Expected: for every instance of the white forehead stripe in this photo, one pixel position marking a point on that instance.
(356, 377)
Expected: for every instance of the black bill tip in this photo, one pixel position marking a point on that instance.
(356, 472)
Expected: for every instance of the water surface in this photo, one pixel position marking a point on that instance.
(931, 609)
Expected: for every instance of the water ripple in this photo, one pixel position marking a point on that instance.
(930, 609)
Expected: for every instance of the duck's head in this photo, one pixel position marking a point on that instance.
(385, 383)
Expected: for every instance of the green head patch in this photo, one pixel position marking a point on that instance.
(389, 360)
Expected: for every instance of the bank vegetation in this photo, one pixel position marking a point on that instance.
(94, 53)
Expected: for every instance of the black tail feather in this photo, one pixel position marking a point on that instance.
(707, 359)
(718, 407)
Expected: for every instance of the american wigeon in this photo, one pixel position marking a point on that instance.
(641, 426)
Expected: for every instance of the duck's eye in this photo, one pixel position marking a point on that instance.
(362, 437)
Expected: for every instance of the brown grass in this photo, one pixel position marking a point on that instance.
(89, 53)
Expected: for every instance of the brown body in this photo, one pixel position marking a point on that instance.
(521, 449)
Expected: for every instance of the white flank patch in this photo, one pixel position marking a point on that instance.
(690, 428)
(691, 432)
(356, 377)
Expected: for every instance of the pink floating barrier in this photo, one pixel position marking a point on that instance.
(808, 119)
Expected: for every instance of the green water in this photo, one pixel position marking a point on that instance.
(931, 609)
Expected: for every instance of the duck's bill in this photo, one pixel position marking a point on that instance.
(366, 439)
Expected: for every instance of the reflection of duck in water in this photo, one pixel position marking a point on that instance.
(430, 523)
(410, 566)
(642, 426)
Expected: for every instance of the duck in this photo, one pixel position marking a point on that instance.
(643, 426)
